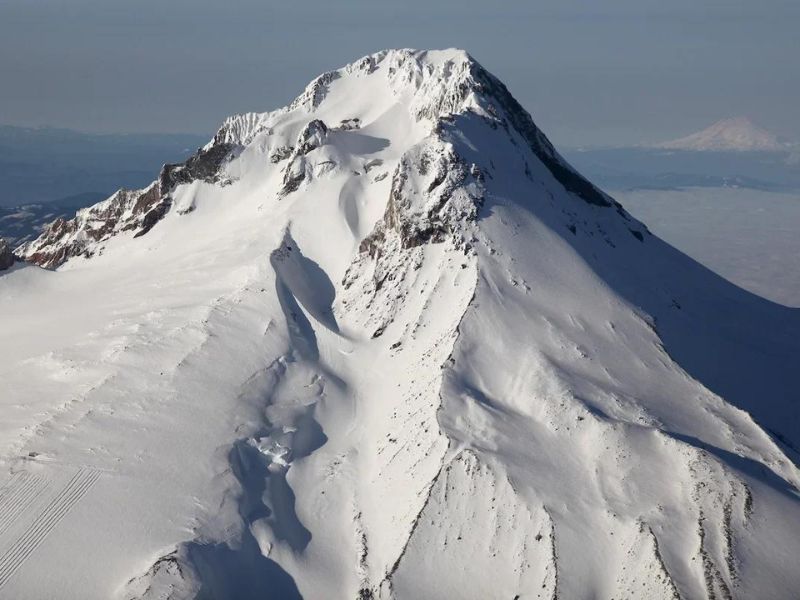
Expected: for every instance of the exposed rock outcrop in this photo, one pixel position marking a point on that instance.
(315, 91)
(136, 211)
(469, 87)
(6, 256)
(450, 197)
(311, 137)
(125, 210)
(204, 165)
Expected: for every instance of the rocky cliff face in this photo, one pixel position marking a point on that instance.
(126, 210)
(6, 256)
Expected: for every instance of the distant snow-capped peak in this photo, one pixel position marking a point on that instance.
(733, 134)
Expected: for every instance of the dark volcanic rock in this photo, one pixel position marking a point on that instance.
(153, 216)
(449, 201)
(6, 256)
(280, 153)
(350, 124)
(127, 210)
(203, 164)
(311, 137)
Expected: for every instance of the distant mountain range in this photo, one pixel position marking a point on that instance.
(730, 153)
(46, 164)
(655, 168)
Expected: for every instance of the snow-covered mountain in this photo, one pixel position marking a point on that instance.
(734, 134)
(386, 343)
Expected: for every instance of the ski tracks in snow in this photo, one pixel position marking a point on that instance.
(19, 495)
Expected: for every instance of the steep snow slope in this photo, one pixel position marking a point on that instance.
(737, 134)
(386, 343)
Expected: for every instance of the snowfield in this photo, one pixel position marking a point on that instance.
(386, 343)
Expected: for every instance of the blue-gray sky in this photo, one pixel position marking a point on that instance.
(590, 71)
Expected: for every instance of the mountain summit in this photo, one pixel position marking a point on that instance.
(386, 343)
(734, 134)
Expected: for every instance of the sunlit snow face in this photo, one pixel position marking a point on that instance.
(385, 341)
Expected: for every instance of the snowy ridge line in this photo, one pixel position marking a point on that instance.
(27, 543)
(387, 579)
(445, 461)
(16, 500)
(553, 551)
(660, 560)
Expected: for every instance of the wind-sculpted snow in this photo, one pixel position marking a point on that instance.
(240, 129)
(386, 343)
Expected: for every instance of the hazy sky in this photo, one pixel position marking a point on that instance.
(590, 71)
